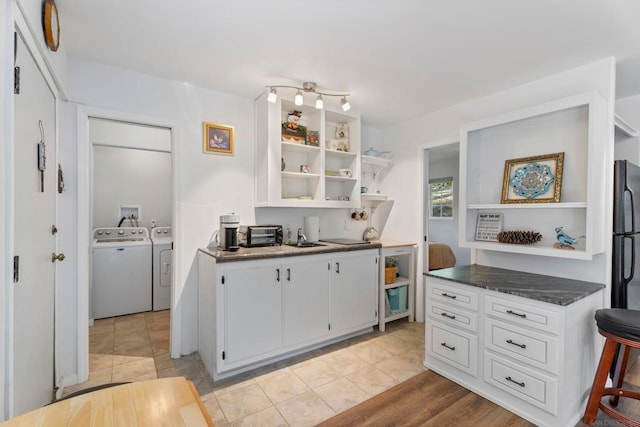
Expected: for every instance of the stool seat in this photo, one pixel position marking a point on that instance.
(619, 322)
(621, 328)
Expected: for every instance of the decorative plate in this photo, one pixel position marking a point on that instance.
(532, 180)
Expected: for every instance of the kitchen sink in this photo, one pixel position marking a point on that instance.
(305, 244)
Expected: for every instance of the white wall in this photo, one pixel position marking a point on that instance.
(626, 147)
(445, 230)
(208, 185)
(404, 139)
(57, 62)
(127, 176)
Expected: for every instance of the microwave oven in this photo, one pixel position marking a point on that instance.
(260, 235)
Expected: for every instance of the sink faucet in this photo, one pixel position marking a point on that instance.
(301, 237)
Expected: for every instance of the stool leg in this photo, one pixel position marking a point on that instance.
(621, 366)
(599, 381)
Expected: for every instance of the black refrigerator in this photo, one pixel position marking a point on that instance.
(625, 283)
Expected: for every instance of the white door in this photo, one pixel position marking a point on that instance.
(306, 301)
(35, 214)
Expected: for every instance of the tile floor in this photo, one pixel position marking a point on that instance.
(301, 391)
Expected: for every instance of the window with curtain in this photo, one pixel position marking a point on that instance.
(441, 197)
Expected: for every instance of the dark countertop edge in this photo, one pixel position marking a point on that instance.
(284, 251)
(543, 295)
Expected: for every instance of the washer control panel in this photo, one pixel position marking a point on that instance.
(119, 233)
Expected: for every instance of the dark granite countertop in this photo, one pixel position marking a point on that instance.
(550, 289)
(266, 252)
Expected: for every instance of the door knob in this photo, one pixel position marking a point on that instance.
(54, 257)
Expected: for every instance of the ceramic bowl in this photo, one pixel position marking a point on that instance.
(345, 172)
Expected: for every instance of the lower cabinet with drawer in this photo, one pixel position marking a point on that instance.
(533, 358)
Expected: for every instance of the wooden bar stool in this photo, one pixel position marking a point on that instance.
(620, 327)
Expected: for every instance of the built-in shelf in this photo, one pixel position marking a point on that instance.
(280, 161)
(339, 178)
(624, 128)
(400, 281)
(336, 153)
(293, 147)
(405, 254)
(562, 205)
(573, 125)
(374, 197)
(299, 175)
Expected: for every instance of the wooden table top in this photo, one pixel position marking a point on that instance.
(161, 402)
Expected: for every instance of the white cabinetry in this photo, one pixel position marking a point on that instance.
(533, 358)
(289, 186)
(404, 285)
(251, 293)
(306, 300)
(575, 126)
(255, 312)
(353, 291)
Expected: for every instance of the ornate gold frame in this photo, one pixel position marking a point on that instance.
(218, 138)
(555, 161)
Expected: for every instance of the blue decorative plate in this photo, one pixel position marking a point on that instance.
(532, 180)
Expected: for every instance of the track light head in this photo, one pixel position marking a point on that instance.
(345, 104)
(298, 100)
(319, 103)
(273, 95)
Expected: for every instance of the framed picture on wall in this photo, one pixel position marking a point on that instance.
(218, 138)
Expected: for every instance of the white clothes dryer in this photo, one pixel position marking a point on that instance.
(162, 240)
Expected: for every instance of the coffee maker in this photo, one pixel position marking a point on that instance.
(228, 234)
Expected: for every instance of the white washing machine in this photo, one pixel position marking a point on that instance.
(162, 241)
(121, 271)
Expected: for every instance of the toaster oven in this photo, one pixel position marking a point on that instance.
(260, 235)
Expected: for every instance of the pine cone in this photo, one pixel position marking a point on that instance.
(519, 237)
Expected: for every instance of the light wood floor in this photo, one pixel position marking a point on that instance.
(427, 399)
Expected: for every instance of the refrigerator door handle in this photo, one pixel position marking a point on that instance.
(633, 209)
(633, 260)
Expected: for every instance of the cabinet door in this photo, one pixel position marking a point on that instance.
(354, 285)
(253, 307)
(306, 301)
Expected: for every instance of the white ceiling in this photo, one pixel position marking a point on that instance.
(399, 59)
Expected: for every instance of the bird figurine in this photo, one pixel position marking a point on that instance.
(564, 240)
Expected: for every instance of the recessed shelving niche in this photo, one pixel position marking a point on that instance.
(575, 126)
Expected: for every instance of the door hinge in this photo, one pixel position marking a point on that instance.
(376, 260)
(329, 266)
(329, 326)
(16, 268)
(223, 280)
(376, 314)
(16, 80)
(425, 238)
(223, 355)
(54, 392)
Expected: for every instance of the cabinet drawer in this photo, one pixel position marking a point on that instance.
(452, 315)
(522, 314)
(443, 292)
(457, 348)
(527, 346)
(405, 250)
(526, 384)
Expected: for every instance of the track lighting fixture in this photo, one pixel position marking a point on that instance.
(309, 87)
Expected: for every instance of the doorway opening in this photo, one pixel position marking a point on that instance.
(126, 225)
